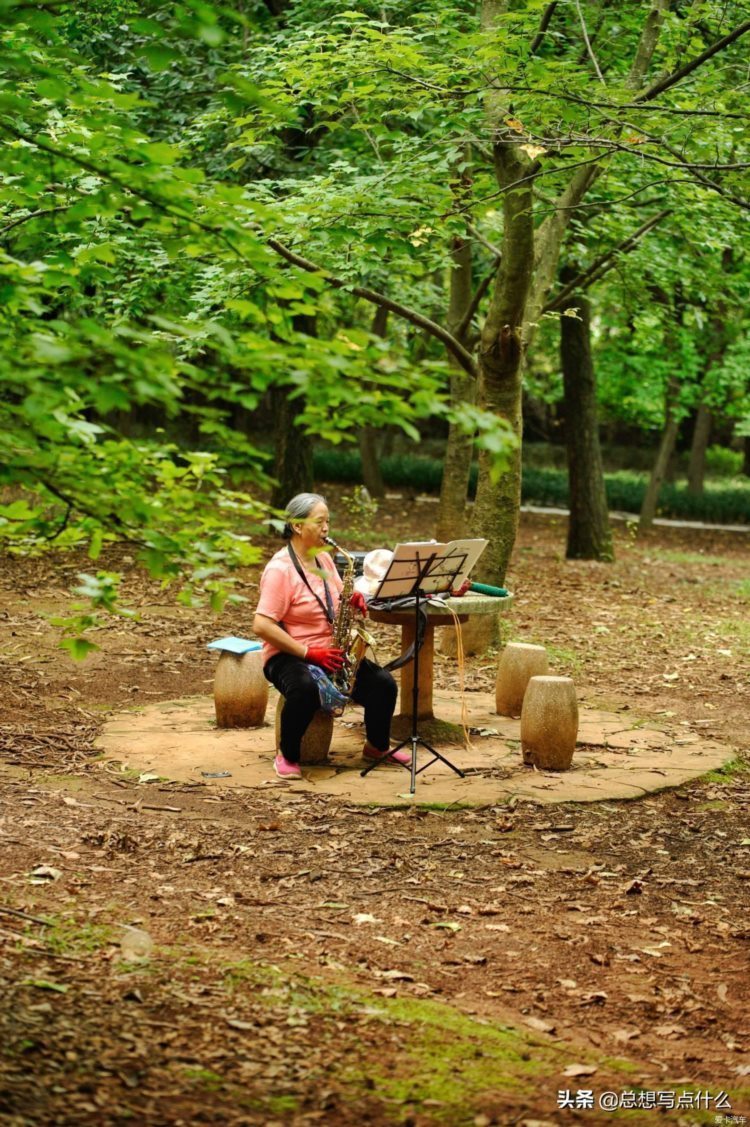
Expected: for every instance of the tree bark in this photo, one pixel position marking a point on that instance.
(372, 476)
(293, 464)
(589, 532)
(498, 503)
(746, 456)
(661, 465)
(697, 465)
(293, 448)
(451, 521)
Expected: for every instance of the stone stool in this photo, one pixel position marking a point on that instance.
(240, 690)
(316, 742)
(519, 661)
(549, 723)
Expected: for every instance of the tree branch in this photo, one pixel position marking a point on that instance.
(481, 290)
(696, 172)
(590, 103)
(31, 215)
(456, 349)
(677, 75)
(647, 43)
(544, 23)
(603, 264)
(586, 40)
(475, 234)
(128, 188)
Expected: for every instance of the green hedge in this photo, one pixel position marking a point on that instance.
(720, 503)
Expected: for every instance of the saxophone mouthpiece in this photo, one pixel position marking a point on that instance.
(329, 540)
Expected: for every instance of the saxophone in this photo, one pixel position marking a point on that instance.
(348, 634)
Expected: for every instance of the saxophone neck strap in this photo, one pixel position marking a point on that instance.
(326, 607)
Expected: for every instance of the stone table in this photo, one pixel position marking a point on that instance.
(438, 614)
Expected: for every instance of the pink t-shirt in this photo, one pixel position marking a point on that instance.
(285, 598)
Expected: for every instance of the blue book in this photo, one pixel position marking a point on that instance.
(235, 645)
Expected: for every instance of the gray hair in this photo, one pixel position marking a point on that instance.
(298, 508)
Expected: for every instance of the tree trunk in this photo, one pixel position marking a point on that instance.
(589, 533)
(368, 452)
(498, 503)
(746, 456)
(659, 472)
(293, 451)
(451, 520)
(368, 436)
(293, 448)
(699, 445)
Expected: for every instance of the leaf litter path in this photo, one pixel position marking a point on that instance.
(315, 961)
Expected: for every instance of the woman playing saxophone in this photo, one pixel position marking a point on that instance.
(298, 620)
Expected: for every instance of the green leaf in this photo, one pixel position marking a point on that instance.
(158, 56)
(78, 648)
(95, 544)
(159, 152)
(45, 984)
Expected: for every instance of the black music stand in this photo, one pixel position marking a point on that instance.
(425, 572)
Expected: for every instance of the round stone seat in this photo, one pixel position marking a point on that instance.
(316, 742)
(240, 690)
(519, 662)
(549, 723)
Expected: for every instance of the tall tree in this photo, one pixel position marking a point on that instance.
(589, 532)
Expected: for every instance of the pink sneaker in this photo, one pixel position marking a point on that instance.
(285, 769)
(372, 753)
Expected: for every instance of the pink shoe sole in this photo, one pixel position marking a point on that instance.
(401, 757)
(286, 770)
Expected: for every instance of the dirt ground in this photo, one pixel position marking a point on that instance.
(179, 954)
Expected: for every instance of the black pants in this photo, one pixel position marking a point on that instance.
(375, 688)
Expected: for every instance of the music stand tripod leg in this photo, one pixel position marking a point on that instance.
(414, 740)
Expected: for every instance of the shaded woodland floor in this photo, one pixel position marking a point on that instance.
(310, 962)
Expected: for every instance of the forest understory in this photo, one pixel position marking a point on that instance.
(178, 954)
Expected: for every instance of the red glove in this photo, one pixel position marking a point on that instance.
(330, 658)
(359, 603)
(462, 589)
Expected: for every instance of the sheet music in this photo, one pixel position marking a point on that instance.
(449, 564)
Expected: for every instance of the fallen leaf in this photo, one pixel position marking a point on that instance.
(580, 1070)
(365, 918)
(595, 998)
(539, 1024)
(395, 975)
(42, 873)
(43, 984)
(671, 1031)
(136, 945)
